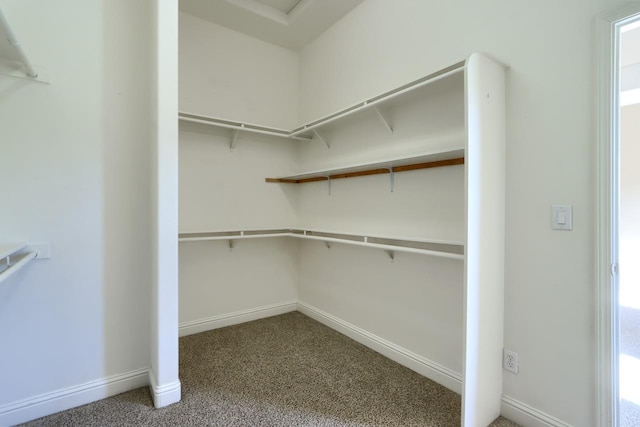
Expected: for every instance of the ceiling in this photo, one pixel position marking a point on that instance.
(288, 23)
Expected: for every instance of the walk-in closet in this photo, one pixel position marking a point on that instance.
(381, 218)
(309, 212)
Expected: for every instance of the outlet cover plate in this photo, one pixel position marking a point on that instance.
(510, 361)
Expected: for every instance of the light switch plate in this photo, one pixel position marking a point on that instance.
(561, 217)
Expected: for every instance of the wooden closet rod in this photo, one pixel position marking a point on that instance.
(378, 171)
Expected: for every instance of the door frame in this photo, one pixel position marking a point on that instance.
(608, 27)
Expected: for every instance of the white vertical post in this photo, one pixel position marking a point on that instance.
(484, 261)
(165, 384)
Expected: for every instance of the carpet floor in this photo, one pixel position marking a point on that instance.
(287, 370)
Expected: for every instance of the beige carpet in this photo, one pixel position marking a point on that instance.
(287, 370)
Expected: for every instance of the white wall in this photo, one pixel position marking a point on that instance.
(84, 187)
(216, 282)
(76, 163)
(549, 295)
(221, 189)
(229, 75)
(629, 206)
(414, 303)
(425, 204)
(629, 41)
(630, 67)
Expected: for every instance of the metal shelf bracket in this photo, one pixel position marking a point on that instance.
(383, 119)
(234, 138)
(392, 179)
(392, 255)
(317, 135)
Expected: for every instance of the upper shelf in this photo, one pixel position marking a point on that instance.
(239, 126)
(379, 99)
(449, 157)
(309, 131)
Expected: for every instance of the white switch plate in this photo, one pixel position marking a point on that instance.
(561, 217)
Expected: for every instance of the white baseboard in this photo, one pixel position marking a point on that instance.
(434, 371)
(235, 318)
(70, 397)
(526, 415)
(166, 394)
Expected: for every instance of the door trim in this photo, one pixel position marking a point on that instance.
(608, 27)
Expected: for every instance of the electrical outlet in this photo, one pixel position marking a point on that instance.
(510, 361)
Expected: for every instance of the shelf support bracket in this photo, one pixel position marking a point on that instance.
(329, 183)
(234, 138)
(317, 135)
(392, 255)
(383, 119)
(392, 179)
(232, 244)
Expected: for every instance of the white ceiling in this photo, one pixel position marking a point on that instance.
(288, 23)
(284, 6)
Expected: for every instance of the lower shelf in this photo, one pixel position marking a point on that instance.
(453, 250)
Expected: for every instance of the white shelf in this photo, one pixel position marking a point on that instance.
(453, 250)
(382, 98)
(7, 249)
(233, 235)
(439, 248)
(239, 126)
(382, 166)
(303, 132)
